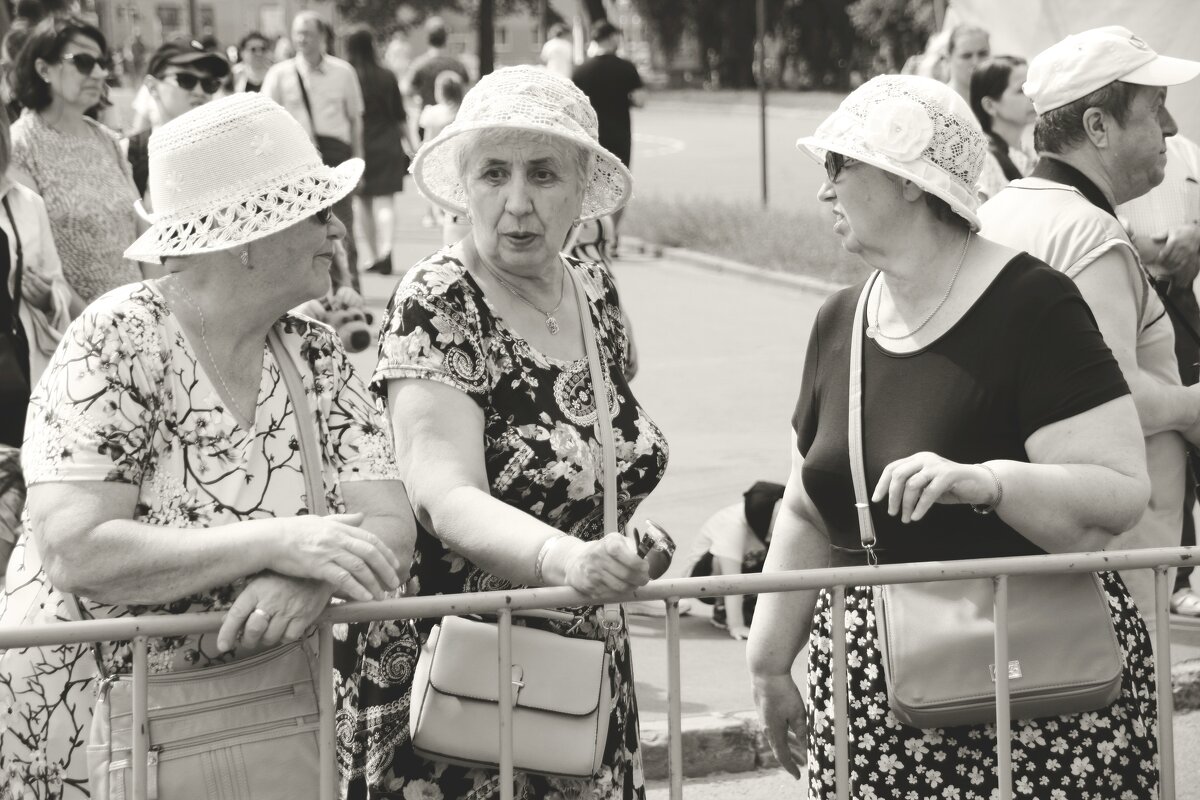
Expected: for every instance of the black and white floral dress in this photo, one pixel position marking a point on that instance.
(125, 400)
(543, 457)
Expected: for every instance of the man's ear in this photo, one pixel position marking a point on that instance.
(1096, 125)
(151, 84)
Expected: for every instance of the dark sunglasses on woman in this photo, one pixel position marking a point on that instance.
(834, 164)
(324, 215)
(86, 62)
(187, 81)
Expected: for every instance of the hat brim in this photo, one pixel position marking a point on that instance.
(248, 217)
(218, 66)
(435, 171)
(1163, 71)
(816, 148)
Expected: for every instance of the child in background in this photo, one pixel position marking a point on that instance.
(734, 541)
(448, 91)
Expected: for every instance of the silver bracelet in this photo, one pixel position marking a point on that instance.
(541, 560)
(988, 508)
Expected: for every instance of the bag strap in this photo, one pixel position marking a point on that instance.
(612, 611)
(310, 454)
(304, 96)
(858, 471)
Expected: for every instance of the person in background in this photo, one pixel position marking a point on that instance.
(425, 68)
(967, 47)
(995, 423)
(284, 49)
(1101, 137)
(181, 75)
(613, 86)
(386, 144)
(558, 53)
(1164, 225)
(448, 91)
(73, 162)
(734, 541)
(932, 63)
(1005, 114)
(254, 52)
(323, 94)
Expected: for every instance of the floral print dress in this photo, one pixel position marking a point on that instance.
(125, 400)
(543, 456)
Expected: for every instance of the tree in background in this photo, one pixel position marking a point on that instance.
(895, 29)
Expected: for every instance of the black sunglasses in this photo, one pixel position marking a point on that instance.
(187, 81)
(834, 164)
(86, 62)
(324, 215)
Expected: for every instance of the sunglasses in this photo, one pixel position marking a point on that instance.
(835, 163)
(324, 215)
(187, 81)
(86, 62)
(256, 49)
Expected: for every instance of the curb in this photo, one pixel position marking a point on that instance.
(735, 742)
(731, 267)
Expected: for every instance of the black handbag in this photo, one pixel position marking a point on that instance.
(333, 150)
(14, 355)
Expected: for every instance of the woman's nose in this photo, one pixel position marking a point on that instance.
(335, 229)
(518, 200)
(825, 193)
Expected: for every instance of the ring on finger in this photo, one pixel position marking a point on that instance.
(264, 614)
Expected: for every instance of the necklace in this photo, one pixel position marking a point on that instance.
(551, 322)
(204, 340)
(875, 332)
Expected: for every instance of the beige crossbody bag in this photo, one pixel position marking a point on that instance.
(937, 638)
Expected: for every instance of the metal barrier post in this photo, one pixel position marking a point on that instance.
(505, 699)
(841, 745)
(327, 747)
(141, 725)
(674, 700)
(1166, 698)
(1003, 709)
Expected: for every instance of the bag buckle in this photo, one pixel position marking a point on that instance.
(1014, 670)
(517, 684)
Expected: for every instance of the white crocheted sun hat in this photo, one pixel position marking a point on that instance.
(522, 98)
(233, 171)
(914, 127)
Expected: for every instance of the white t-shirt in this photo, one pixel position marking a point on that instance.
(559, 56)
(725, 534)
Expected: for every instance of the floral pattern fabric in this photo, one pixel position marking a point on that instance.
(125, 400)
(543, 456)
(1110, 754)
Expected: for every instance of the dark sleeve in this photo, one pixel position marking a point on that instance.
(396, 102)
(1066, 366)
(635, 78)
(804, 419)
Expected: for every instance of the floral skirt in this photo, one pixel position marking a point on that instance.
(374, 663)
(1110, 754)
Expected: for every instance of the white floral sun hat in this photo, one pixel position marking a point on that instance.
(531, 99)
(233, 171)
(914, 127)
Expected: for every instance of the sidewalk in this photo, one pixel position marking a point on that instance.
(721, 354)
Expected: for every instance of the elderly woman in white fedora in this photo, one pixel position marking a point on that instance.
(161, 454)
(994, 422)
(484, 371)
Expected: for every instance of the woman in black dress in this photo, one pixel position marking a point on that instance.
(386, 143)
(995, 423)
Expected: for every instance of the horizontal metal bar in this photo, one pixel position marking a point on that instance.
(562, 596)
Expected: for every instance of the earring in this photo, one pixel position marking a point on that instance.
(244, 257)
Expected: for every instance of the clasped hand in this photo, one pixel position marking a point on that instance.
(602, 569)
(912, 485)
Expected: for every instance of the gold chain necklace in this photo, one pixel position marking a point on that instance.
(875, 332)
(551, 322)
(204, 340)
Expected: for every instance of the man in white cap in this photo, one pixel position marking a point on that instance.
(1101, 136)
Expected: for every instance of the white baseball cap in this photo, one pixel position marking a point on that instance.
(1084, 62)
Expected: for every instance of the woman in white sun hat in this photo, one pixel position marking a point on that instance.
(995, 422)
(485, 375)
(164, 475)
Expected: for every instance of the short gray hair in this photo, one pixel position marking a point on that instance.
(582, 158)
(1060, 130)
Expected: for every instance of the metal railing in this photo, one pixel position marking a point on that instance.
(503, 603)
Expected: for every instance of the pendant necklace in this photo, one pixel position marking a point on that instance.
(204, 340)
(551, 322)
(875, 332)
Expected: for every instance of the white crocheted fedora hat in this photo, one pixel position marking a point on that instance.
(914, 127)
(233, 171)
(522, 98)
